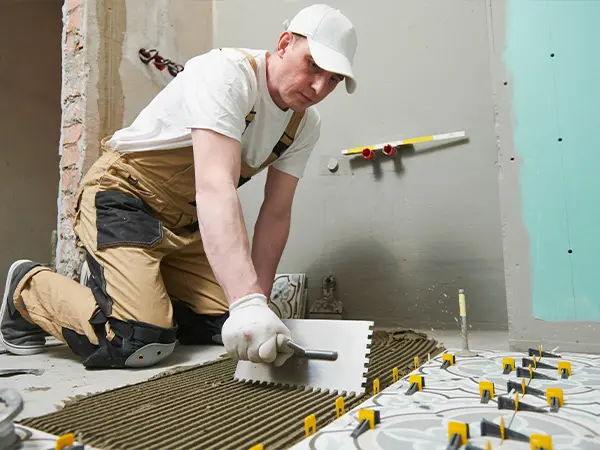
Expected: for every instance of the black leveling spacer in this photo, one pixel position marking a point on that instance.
(536, 352)
(489, 428)
(509, 403)
(526, 362)
(513, 385)
(528, 373)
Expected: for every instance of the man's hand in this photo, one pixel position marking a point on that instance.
(251, 331)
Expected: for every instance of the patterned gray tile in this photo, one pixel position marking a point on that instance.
(420, 421)
(288, 296)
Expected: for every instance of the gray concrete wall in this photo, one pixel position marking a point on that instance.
(119, 85)
(401, 236)
(178, 29)
(30, 115)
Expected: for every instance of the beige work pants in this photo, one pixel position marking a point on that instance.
(136, 218)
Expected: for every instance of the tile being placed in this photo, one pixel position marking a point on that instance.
(452, 394)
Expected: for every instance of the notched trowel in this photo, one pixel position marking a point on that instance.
(328, 354)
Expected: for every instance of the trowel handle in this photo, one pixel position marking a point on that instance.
(299, 351)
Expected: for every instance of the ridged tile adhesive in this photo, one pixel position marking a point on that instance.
(203, 407)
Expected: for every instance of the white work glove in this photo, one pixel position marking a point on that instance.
(254, 332)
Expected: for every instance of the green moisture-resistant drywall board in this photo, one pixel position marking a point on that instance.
(553, 61)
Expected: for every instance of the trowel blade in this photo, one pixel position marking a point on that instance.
(350, 338)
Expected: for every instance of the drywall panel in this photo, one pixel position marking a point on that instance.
(574, 36)
(30, 115)
(400, 235)
(546, 123)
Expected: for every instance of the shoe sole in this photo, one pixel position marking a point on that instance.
(21, 350)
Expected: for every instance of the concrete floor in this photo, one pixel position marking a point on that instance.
(64, 377)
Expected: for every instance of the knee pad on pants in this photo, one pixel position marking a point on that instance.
(136, 344)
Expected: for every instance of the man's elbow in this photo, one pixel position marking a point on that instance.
(214, 182)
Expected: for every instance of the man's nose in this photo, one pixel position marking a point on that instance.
(319, 84)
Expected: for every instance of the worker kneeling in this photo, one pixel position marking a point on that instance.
(159, 218)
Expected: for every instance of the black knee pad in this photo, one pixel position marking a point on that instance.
(136, 344)
(197, 329)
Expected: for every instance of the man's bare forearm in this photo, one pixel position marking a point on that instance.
(225, 240)
(270, 236)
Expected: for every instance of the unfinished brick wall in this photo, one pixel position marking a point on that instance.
(105, 84)
(68, 257)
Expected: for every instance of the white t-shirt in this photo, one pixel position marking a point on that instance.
(216, 91)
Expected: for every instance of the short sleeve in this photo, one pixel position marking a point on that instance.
(217, 93)
(294, 160)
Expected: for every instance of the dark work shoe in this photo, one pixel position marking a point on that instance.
(16, 334)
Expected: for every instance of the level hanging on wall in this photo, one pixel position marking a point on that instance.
(389, 149)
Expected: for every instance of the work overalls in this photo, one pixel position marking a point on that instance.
(150, 281)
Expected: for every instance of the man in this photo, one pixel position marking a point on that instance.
(160, 219)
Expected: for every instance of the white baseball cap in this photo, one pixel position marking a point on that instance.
(331, 39)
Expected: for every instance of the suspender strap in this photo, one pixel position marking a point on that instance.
(250, 117)
(251, 60)
(288, 136)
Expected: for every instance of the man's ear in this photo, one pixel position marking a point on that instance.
(284, 43)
